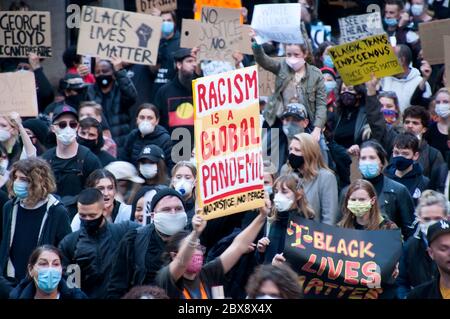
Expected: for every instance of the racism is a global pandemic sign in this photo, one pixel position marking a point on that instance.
(228, 143)
(340, 263)
(108, 33)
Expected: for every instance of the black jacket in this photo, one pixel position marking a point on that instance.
(104, 157)
(135, 143)
(44, 89)
(428, 290)
(56, 227)
(361, 121)
(94, 255)
(116, 105)
(416, 267)
(429, 156)
(27, 289)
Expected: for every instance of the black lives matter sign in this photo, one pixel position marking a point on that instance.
(23, 32)
(133, 37)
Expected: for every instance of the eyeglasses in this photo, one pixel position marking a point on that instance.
(63, 124)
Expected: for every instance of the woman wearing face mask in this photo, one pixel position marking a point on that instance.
(148, 131)
(151, 164)
(360, 208)
(330, 77)
(183, 181)
(186, 277)
(296, 80)
(31, 218)
(319, 182)
(437, 134)
(322, 57)
(394, 199)
(15, 139)
(113, 210)
(44, 278)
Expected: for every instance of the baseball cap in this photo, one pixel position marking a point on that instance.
(296, 110)
(124, 171)
(437, 229)
(151, 152)
(63, 109)
(180, 54)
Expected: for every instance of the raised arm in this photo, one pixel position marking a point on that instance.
(262, 58)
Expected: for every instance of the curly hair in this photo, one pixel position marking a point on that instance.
(281, 275)
(41, 181)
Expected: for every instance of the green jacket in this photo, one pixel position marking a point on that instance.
(314, 94)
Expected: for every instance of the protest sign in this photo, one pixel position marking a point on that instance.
(18, 93)
(266, 80)
(228, 143)
(355, 61)
(341, 263)
(432, 40)
(319, 34)
(277, 22)
(361, 26)
(146, 6)
(234, 4)
(133, 37)
(24, 32)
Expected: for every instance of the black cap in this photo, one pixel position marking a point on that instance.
(164, 192)
(151, 152)
(63, 109)
(296, 110)
(437, 229)
(180, 54)
(72, 82)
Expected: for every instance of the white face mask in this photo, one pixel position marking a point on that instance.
(4, 135)
(170, 224)
(417, 9)
(282, 203)
(183, 186)
(3, 167)
(443, 110)
(66, 135)
(148, 170)
(146, 127)
(424, 227)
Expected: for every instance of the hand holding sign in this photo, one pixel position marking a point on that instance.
(33, 59)
(198, 224)
(117, 63)
(262, 244)
(425, 69)
(15, 118)
(83, 70)
(372, 85)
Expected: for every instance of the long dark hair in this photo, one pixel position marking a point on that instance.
(97, 175)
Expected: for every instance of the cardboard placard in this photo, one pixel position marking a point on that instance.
(233, 4)
(228, 143)
(24, 32)
(447, 57)
(18, 93)
(266, 81)
(146, 6)
(277, 22)
(133, 37)
(432, 40)
(355, 61)
(341, 263)
(361, 26)
(319, 34)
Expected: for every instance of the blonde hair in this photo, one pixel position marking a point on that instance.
(97, 107)
(430, 198)
(312, 155)
(11, 123)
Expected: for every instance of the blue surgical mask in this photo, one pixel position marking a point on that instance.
(268, 189)
(328, 62)
(167, 28)
(48, 279)
(20, 189)
(330, 86)
(369, 169)
(390, 22)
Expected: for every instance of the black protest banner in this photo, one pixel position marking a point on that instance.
(133, 37)
(146, 6)
(339, 263)
(356, 27)
(24, 32)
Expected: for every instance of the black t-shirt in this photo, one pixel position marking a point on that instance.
(26, 235)
(437, 139)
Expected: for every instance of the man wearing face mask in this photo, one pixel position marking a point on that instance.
(74, 90)
(90, 134)
(395, 20)
(71, 163)
(404, 167)
(94, 245)
(138, 257)
(116, 93)
(416, 267)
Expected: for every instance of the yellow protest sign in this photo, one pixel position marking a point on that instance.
(228, 143)
(357, 60)
(215, 3)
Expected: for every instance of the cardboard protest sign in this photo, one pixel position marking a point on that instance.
(133, 37)
(447, 55)
(146, 6)
(24, 32)
(340, 263)
(266, 81)
(277, 22)
(319, 34)
(234, 4)
(228, 143)
(355, 61)
(432, 40)
(18, 93)
(361, 26)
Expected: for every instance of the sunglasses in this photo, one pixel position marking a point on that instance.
(63, 124)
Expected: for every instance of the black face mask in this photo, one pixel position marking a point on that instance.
(348, 99)
(75, 100)
(92, 226)
(296, 161)
(90, 144)
(401, 163)
(104, 80)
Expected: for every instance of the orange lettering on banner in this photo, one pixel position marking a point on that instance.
(370, 270)
(334, 272)
(311, 261)
(351, 275)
